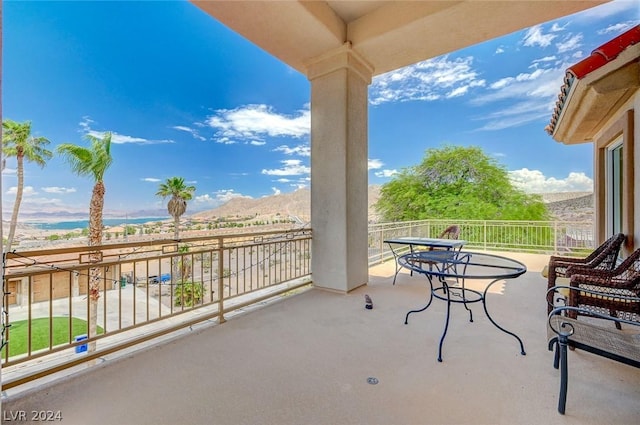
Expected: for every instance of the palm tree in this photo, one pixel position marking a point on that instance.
(92, 162)
(180, 193)
(17, 141)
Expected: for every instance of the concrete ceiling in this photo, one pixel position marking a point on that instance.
(387, 34)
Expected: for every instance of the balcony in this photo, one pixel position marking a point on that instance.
(307, 358)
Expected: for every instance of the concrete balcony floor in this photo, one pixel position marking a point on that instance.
(306, 359)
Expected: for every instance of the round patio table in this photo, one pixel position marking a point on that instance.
(450, 271)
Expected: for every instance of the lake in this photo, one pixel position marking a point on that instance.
(82, 224)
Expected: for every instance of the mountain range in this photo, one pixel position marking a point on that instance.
(570, 206)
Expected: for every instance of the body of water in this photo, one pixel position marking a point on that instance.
(82, 224)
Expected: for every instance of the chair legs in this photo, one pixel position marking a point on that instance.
(561, 351)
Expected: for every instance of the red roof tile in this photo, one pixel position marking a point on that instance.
(599, 57)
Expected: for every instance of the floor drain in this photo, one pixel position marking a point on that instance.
(371, 380)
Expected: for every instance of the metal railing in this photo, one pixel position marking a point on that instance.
(151, 288)
(142, 284)
(544, 237)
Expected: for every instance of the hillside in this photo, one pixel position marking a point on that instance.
(296, 205)
(570, 206)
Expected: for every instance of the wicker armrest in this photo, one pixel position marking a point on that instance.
(607, 341)
(589, 271)
(555, 260)
(603, 280)
(593, 292)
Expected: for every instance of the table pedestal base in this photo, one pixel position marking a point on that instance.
(464, 296)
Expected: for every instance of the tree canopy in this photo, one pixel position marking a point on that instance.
(456, 182)
(18, 142)
(180, 193)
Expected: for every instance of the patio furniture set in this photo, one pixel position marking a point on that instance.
(600, 288)
(447, 266)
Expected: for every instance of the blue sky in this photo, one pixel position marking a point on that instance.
(185, 96)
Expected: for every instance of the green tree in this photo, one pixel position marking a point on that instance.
(457, 183)
(18, 142)
(93, 162)
(180, 193)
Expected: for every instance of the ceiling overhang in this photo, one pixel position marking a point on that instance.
(387, 34)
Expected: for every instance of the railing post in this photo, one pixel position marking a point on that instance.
(484, 234)
(221, 318)
(381, 247)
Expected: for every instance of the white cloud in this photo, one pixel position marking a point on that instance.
(26, 191)
(543, 60)
(578, 55)
(374, 164)
(618, 28)
(534, 181)
(257, 143)
(276, 191)
(428, 80)
(571, 42)
(219, 197)
(85, 127)
(32, 204)
(55, 189)
(225, 195)
(458, 91)
(531, 97)
(301, 150)
(520, 113)
(291, 167)
(122, 139)
(226, 141)
(150, 179)
(499, 50)
(257, 121)
(622, 7)
(535, 37)
(556, 27)
(191, 131)
(385, 173)
(204, 199)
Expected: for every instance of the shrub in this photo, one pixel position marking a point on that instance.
(189, 294)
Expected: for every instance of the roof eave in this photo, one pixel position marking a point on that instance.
(593, 100)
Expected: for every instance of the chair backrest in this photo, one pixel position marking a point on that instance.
(606, 255)
(451, 232)
(627, 274)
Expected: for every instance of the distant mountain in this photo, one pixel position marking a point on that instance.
(296, 205)
(570, 206)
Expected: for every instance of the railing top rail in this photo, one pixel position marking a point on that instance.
(156, 242)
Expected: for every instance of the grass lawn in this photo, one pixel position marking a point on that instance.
(18, 333)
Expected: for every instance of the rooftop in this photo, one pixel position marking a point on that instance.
(588, 67)
(306, 359)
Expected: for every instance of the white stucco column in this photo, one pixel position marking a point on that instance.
(339, 169)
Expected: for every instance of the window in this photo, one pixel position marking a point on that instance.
(615, 189)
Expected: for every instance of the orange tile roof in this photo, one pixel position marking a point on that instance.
(599, 57)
